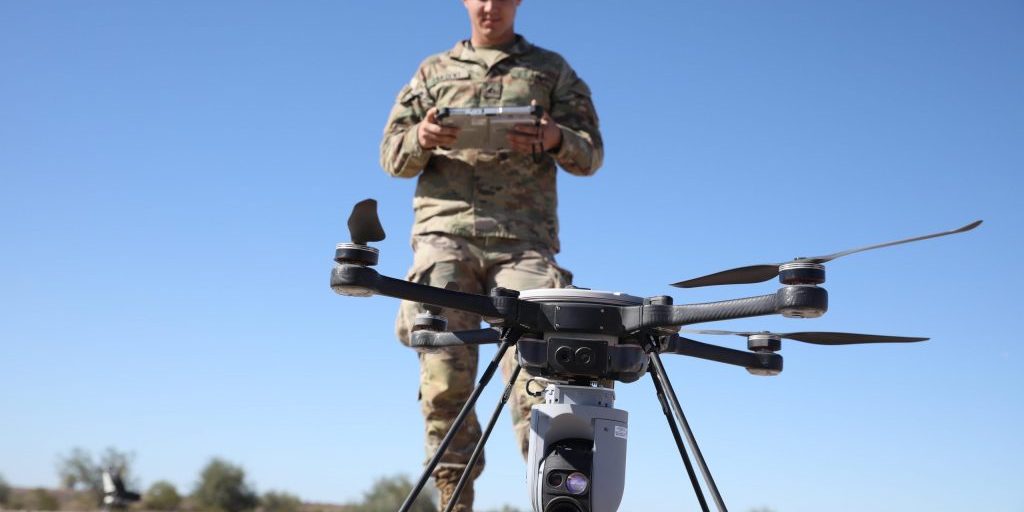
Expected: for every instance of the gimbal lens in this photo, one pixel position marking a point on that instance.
(554, 479)
(577, 483)
(563, 355)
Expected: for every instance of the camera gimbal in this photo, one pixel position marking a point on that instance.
(579, 339)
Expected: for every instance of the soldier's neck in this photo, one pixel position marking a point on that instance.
(484, 41)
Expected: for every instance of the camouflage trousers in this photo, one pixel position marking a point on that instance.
(448, 376)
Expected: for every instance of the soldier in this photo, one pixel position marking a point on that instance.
(484, 218)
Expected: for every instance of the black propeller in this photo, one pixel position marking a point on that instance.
(818, 338)
(364, 225)
(764, 272)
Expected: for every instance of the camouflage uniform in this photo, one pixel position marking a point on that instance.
(484, 219)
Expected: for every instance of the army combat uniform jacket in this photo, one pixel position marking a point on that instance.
(504, 194)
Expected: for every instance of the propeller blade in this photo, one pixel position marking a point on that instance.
(761, 273)
(830, 257)
(818, 338)
(718, 332)
(364, 225)
(741, 275)
(846, 338)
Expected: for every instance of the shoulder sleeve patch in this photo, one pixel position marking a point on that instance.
(408, 94)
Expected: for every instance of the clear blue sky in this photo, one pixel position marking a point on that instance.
(175, 176)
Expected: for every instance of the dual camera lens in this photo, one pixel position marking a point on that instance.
(575, 483)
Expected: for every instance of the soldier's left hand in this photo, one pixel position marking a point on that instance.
(528, 138)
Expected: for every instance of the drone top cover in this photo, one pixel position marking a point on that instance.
(486, 127)
(581, 295)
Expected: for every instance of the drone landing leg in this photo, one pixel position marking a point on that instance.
(508, 339)
(679, 443)
(479, 448)
(659, 374)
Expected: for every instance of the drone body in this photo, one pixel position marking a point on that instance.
(609, 329)
(578, 338)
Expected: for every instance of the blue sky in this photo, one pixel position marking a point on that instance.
(176, 174)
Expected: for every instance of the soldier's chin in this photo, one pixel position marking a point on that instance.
(491, 27)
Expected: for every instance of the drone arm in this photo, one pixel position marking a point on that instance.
(470, 302)
(792, 301)
(725, 310)
(348, 279)
(432, 339)
(668, 316)
(749, 360)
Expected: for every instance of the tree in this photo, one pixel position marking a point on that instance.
(280, 502)
(222, 488)
(389, 493)
(79, 471)
(162, 495)
(5, 491)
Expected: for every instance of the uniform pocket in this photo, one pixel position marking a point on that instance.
(531, 269)
(408, 94)
(531, 75)
(524, 84)
(439, 259)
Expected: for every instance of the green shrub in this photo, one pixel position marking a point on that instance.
(162, 495)
(389, 493)
(222, 488)
(280, 502)
(37, 499)
(5, 491)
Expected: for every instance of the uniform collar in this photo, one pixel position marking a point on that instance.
(463, 50)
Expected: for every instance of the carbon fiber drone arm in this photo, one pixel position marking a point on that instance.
(347, 279)
(666, 316)
(755, 361)
(652, 316)
(788, 300)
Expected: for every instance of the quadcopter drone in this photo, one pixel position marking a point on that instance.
(577, 338)
(115, 495)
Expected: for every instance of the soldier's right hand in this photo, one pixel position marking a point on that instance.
(431, 134)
